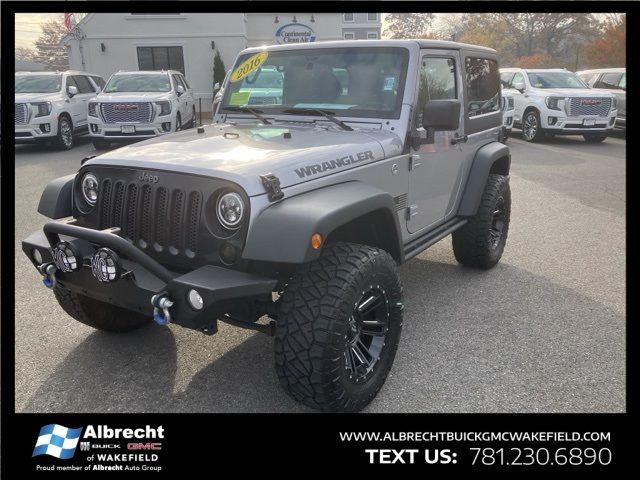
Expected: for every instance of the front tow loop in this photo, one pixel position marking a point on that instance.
(48, 271)
(161, 305)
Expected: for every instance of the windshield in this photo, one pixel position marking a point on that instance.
(138, 83)
(555, 80)
(353, 82)
(38, 83)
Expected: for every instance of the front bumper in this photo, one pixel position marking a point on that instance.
(561, 124)
(114, 132)
(40, 129)
(143, 277)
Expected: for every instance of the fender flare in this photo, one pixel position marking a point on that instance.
(56, 199)
(282, 232)
(491, 158)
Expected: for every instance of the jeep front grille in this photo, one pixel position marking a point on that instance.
(578, 106)
(21, 114)
(153, 217)
(130, 112)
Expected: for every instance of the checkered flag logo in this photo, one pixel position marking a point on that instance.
(57, 441)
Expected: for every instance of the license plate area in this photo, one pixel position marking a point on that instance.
(589, 122)
(128, 129)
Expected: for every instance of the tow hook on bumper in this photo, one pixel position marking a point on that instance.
(48, 271)
(161, 305)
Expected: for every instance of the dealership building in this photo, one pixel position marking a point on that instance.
(103, 43)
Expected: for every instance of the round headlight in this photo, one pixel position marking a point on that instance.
(230, 210)
(90, 188)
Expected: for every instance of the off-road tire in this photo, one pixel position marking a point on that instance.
(532, 127)
(313, 322)
(64, 138)
(594, 138)
(473, 244)
(97, 314)
(100, 144)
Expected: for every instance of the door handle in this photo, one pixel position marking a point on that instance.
(457, 140)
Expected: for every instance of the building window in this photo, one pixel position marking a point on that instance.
(349, 36)
(483, 86)
(372, 17)
(160, 58)
(372, 35)
(348, 17)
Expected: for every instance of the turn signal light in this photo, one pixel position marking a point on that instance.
(316, 241)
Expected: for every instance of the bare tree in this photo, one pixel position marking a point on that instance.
(49, 50)
(408, 25)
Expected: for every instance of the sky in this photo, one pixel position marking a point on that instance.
(28, 27)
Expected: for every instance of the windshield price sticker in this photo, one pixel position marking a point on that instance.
(249, 66)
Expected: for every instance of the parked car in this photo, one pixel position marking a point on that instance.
(299, 210)
(141, 104)
(52, 106)
(558, 102)
(264, 89)
(508, 108)
(613, 80)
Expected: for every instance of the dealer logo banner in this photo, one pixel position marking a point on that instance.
(57, 441)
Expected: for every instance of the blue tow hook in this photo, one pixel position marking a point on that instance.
(161, 304)
(49, 275)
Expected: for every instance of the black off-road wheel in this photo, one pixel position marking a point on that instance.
(338, 328)
(97, 314)
(481, 241)
(594, 138)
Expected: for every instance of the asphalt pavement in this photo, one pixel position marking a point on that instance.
(544, 331)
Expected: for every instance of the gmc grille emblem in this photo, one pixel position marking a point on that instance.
(126, 108)
(590, 102)
(145, 177)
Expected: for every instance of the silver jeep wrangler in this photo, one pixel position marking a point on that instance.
(298, 209)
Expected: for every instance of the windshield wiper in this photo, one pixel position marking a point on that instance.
(318, 111)
(244, 108)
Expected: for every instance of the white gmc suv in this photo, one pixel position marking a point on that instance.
(558, 102)
(52, 106)
(141, 104)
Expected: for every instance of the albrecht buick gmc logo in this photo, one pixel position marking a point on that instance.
(106, 432)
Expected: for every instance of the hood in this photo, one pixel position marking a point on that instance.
(38, 97)
(242, 153)
(572, 92)
(133, 97)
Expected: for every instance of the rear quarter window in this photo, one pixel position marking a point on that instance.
(483, 86)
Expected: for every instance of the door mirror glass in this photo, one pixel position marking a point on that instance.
(441, 115)
(72, 90)
(216, 87)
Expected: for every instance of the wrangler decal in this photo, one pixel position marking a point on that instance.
(333, 164)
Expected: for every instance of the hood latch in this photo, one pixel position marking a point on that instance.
(272, 186)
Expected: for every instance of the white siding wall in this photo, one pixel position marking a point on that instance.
(261, 27)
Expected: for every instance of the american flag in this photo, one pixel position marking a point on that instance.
(68, 19)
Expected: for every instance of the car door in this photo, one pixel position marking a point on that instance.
(612, 81)
(185, 114)
(75, 106)
(435, 165)
(86, 92)
(189, 100)
(519, 97)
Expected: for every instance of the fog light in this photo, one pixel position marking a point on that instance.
(195, 300)
(166, 126)
(65, 257)
(612, 121)
(552, 120)
(105, 265)
(94, 128)
(37, 256)
(45, 127)
(228, 253)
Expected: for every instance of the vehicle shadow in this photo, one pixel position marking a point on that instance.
(503, 340)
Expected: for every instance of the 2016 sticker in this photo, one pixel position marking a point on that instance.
(250, 65)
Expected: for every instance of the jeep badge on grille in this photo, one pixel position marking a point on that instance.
(145, 177)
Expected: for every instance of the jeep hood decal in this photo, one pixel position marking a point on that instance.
(242, 153)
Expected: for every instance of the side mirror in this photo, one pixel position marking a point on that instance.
(72, 90)
(180, 89)
(519, 86)
(98, 89)
(216, 86)
(439, 115)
